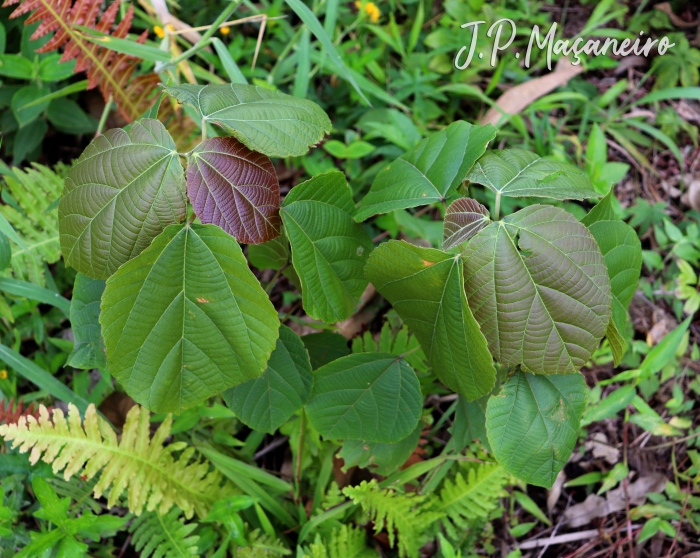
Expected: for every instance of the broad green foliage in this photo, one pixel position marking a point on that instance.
(125, 188)
(463, 219)
(267, 402)
(374, 397)
(167, 535)
(538, 286)
(407, 515)
(34, 189)
(329, 249)
(622, 251)
(425, 287)
(236, 188)
(533, 424)
(273, 254)
(517, 173)
(469, 423)
(430, 172)
(186, 320)
(470, 497)
(148, 471)
(325, 347)
(89, 349)
(267, 121)
(382, 459)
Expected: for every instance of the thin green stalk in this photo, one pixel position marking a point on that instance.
(497, 210)
(300, 453)
(103, 118)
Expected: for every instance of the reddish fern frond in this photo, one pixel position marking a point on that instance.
(9, 413)
(110, 71)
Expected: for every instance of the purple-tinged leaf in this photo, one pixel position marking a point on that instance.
(235, 188)
(463, 219)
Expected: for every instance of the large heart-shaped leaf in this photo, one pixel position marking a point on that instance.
(236, 188)
(186, 320)
(425, 286)
(622, 251)
(538, 285)
(125, 188)
(373, 397)
(267, 402)
(533, 424)
(430, 172)
(267, 121)
(329, 249)
(517, 173)
(89, 349)
(463, 219)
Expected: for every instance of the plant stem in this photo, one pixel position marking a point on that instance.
(300, 452)
(271, 284)
(497, 210)
(204, 128)
(103, 118)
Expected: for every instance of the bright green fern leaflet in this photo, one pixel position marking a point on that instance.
(468, 500)
(153, 478)
(163, 536)
(408, 515)
(34, 190)
(345, 542)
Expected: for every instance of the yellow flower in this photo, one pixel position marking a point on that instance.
(3, 374)
(225, 30)
(158, 30)
(370, 9)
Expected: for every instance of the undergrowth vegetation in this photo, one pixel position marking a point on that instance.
(289, 278)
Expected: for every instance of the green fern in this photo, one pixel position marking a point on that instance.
(34, 190)
(261, 545)
(163, 536)
(402, 342)
(153, 478)
(467, 502)
(346, 542)
(408, 515)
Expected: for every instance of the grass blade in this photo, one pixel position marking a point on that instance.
(34, 292)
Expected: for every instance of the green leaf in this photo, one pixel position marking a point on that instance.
(273, 254)
(430, 172)
(516, 173)
(186, 320)
(89, 349)
(264, 120)
(24, 96)
(469, 423)
(538, 286)
(425, 286)
(381, 459)
(329, 249)
(230, 67)
(366, 396)
(5, 251)
(610, 405)
(67, 116)
(125, 188)
(267, 402)
(16, 66)
(533, 424)
(325, 347)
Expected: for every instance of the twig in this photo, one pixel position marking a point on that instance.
(261, 32)
(673, 443)
(103, 118)
(680, 523)
(271, 446)
(248, 19)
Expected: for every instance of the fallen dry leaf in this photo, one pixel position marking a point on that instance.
(666, 8)
(692, 197)
(600, 447)
(555, 491)
(519, 97)
(614, 501)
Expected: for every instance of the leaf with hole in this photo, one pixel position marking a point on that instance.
(517, 173)
(235, 188)
(267, 402)
(538, 286)
(373, 397)
(533, 424)
(430, 172)
(186, 320)
(463, 219)
(425, 287)
(267, 121)
(89, 349)
(329, 249)
(125, 188)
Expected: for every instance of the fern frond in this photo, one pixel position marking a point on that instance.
(408, 515)
(466, 502)
(152, 477)
(34, 189)
(163, 536)
(261, 545)
(79, 492)
(9, 412)
(109, 70)
(401, 342)
(345, 542)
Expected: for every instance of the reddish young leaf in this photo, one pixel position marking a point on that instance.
(463, 219)
(236, 188)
